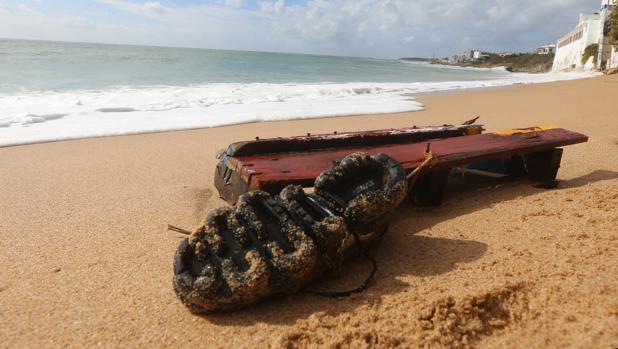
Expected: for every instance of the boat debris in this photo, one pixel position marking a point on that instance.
(277, 237)
(272, 164)
(237, 173)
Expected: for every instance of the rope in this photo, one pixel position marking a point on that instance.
(364, 285)
(430, 160)
(179, 230)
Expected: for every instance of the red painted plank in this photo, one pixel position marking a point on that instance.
(305, 167)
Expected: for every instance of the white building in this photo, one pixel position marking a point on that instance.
(590, 30)
(570, 48)
(612, 62)
(546, 49)
(477, 55)
(463, 56)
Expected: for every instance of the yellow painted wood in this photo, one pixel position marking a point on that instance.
(526, 130)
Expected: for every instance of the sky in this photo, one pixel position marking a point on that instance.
(367, 28)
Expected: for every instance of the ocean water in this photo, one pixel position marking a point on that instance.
(52, 90)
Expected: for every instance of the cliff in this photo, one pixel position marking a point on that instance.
(521, 63)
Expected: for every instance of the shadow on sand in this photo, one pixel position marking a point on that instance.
(400, 254)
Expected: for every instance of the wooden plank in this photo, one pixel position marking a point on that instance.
(303, 144)
(273, 172)
(234, 178)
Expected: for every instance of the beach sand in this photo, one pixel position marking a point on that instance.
(87, 261)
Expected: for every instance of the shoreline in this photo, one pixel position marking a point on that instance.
(414, 96)
(87, 259)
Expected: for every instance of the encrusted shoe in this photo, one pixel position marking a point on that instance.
(365, 191)
(268, 245)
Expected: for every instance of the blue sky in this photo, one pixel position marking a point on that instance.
(371, 28)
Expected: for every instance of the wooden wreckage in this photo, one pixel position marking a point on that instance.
(278, 237)
(270, 165)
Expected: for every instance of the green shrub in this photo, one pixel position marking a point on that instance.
(591, 51)
(613, 27)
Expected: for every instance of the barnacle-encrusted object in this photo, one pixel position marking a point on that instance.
(267, 245)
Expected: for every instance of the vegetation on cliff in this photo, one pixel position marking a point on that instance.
(524, 62)
(591, 50)
(613, 27)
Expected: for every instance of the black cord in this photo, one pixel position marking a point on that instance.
(364, 285)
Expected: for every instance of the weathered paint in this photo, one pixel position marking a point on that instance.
(525, 130)
(233, 178)
(273, 172)
(348, 139)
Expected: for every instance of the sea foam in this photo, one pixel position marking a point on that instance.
(30, 117)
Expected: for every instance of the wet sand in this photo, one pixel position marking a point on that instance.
(87, 260)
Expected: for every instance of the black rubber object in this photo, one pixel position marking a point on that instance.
(268, 245)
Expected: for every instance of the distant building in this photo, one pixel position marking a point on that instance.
(463, 56)
(505, 54)
(546, 49)
(476, 55)
(590, 30)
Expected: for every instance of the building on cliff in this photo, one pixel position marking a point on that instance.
(463, 56)
(546, 50)
(591, 29)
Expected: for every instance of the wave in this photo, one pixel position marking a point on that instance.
(456, 67)
(30, 117)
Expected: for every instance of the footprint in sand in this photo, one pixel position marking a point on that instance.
(201, 197)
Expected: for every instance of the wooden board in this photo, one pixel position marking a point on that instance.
(273, 172)
(309, 143)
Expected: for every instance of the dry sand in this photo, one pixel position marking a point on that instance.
(86, 259)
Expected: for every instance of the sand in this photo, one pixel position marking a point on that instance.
(87, 261)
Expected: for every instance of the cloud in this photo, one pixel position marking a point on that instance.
(22, 21)
(235, 3)
(272, 6)
(146, 9)
(408, 39)
(377, 28)
(154, 7)
(372, 27)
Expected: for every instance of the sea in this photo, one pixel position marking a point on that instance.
(56, 90)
